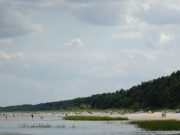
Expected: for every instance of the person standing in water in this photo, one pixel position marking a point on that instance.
(32, 116)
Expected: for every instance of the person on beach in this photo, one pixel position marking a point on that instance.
(163, 114)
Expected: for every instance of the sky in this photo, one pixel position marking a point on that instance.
(54, 50)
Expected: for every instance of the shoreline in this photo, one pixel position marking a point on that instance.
(130, 116)
(144, 116)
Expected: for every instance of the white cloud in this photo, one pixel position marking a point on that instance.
(131, 20)
(162, 37)
(155, 13)
(145, 6)
(165, 38)
(129, 35)
(175, 5)
(6, 41)
(4, 55)
(21, 56)
(150, 56)
(14, 22)
(8, 61)
(74, 43)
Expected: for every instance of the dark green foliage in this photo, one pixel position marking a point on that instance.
(158, 124)
(163, 92)
(94, 118)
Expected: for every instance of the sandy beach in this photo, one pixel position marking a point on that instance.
(130, 116)
(153, 116)
(144, 116)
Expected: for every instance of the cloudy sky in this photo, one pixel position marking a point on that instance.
(52, 50)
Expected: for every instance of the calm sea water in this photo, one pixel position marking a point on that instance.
(24, 125)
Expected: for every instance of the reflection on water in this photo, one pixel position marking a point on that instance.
(24, 125)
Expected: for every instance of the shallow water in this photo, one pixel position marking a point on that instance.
(24, 125)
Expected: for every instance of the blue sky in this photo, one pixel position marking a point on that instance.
(52, 50)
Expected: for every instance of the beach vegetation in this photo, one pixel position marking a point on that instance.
(154, 125)
(94, 118)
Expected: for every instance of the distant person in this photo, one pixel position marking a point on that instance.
(6, 116)
(32, 116)
(163, 113)
(149, 112)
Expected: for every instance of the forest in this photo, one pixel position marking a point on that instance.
(163, 92)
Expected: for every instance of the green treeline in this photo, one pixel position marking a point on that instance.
(163, 92)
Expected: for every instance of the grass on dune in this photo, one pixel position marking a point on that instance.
(158, 124)
(94, 118)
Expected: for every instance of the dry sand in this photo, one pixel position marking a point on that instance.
(138, 116)
(153, 116)
(141, 116)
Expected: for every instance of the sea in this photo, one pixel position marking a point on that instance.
(55, 125)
